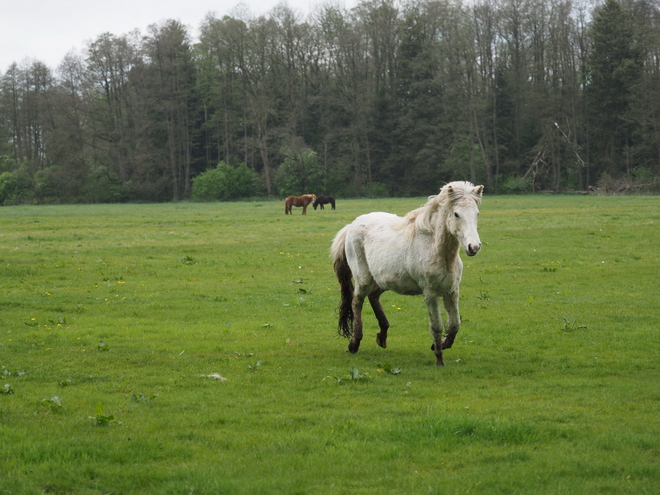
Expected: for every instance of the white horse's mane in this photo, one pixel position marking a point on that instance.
(422, 219)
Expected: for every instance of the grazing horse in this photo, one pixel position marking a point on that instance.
(303, 201)
(324, 200)
(413, 255)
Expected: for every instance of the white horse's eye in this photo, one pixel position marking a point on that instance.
(456, 215)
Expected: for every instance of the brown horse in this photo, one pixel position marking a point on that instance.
(303, 201)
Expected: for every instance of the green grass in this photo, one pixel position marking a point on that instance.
(113, 317)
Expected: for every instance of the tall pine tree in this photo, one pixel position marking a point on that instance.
(615, 66)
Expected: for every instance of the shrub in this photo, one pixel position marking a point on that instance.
(242, 181)
(16, 187)
(224, 183)
(97, 187)
(377, 190)
(515, 184)
(210, 185)
(300, 173)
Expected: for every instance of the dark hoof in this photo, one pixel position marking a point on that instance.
(440, 362)
(381, 341)
(353, 347)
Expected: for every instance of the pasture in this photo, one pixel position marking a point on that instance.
(193, 349)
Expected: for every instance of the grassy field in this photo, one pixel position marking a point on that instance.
(192, 349)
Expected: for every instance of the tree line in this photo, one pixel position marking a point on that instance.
(385, 99)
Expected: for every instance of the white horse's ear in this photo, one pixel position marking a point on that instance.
(449, 193)
(479, 190)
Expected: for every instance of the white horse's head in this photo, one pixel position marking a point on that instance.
(463, 211)
(454, 211)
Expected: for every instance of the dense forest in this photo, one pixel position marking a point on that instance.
(387, 98)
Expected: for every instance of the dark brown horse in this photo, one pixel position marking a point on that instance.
(324, 200)
(303, 201)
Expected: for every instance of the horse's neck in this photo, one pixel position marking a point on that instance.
(446, 246)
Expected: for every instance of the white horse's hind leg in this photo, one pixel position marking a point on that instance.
(453, 318)
(361, 291)
(435, 324)
(383, 323)
(363, 284)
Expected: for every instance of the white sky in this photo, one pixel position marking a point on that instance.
(46, 30)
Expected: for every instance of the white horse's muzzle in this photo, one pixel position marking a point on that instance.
(473, 249)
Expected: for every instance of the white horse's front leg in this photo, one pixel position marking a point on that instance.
(453, 318)
(435, 325)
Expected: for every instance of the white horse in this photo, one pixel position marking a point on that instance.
(413, 255)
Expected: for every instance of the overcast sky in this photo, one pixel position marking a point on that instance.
(46, 30)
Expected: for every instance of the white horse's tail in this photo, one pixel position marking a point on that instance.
(344, 276)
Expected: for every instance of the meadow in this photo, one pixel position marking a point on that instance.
(192, 349)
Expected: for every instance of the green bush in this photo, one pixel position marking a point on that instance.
(242, 181)
(377, 190)
(300, 173)
(515, 184)
(224, 183)
(16, 187)
(210, 185)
